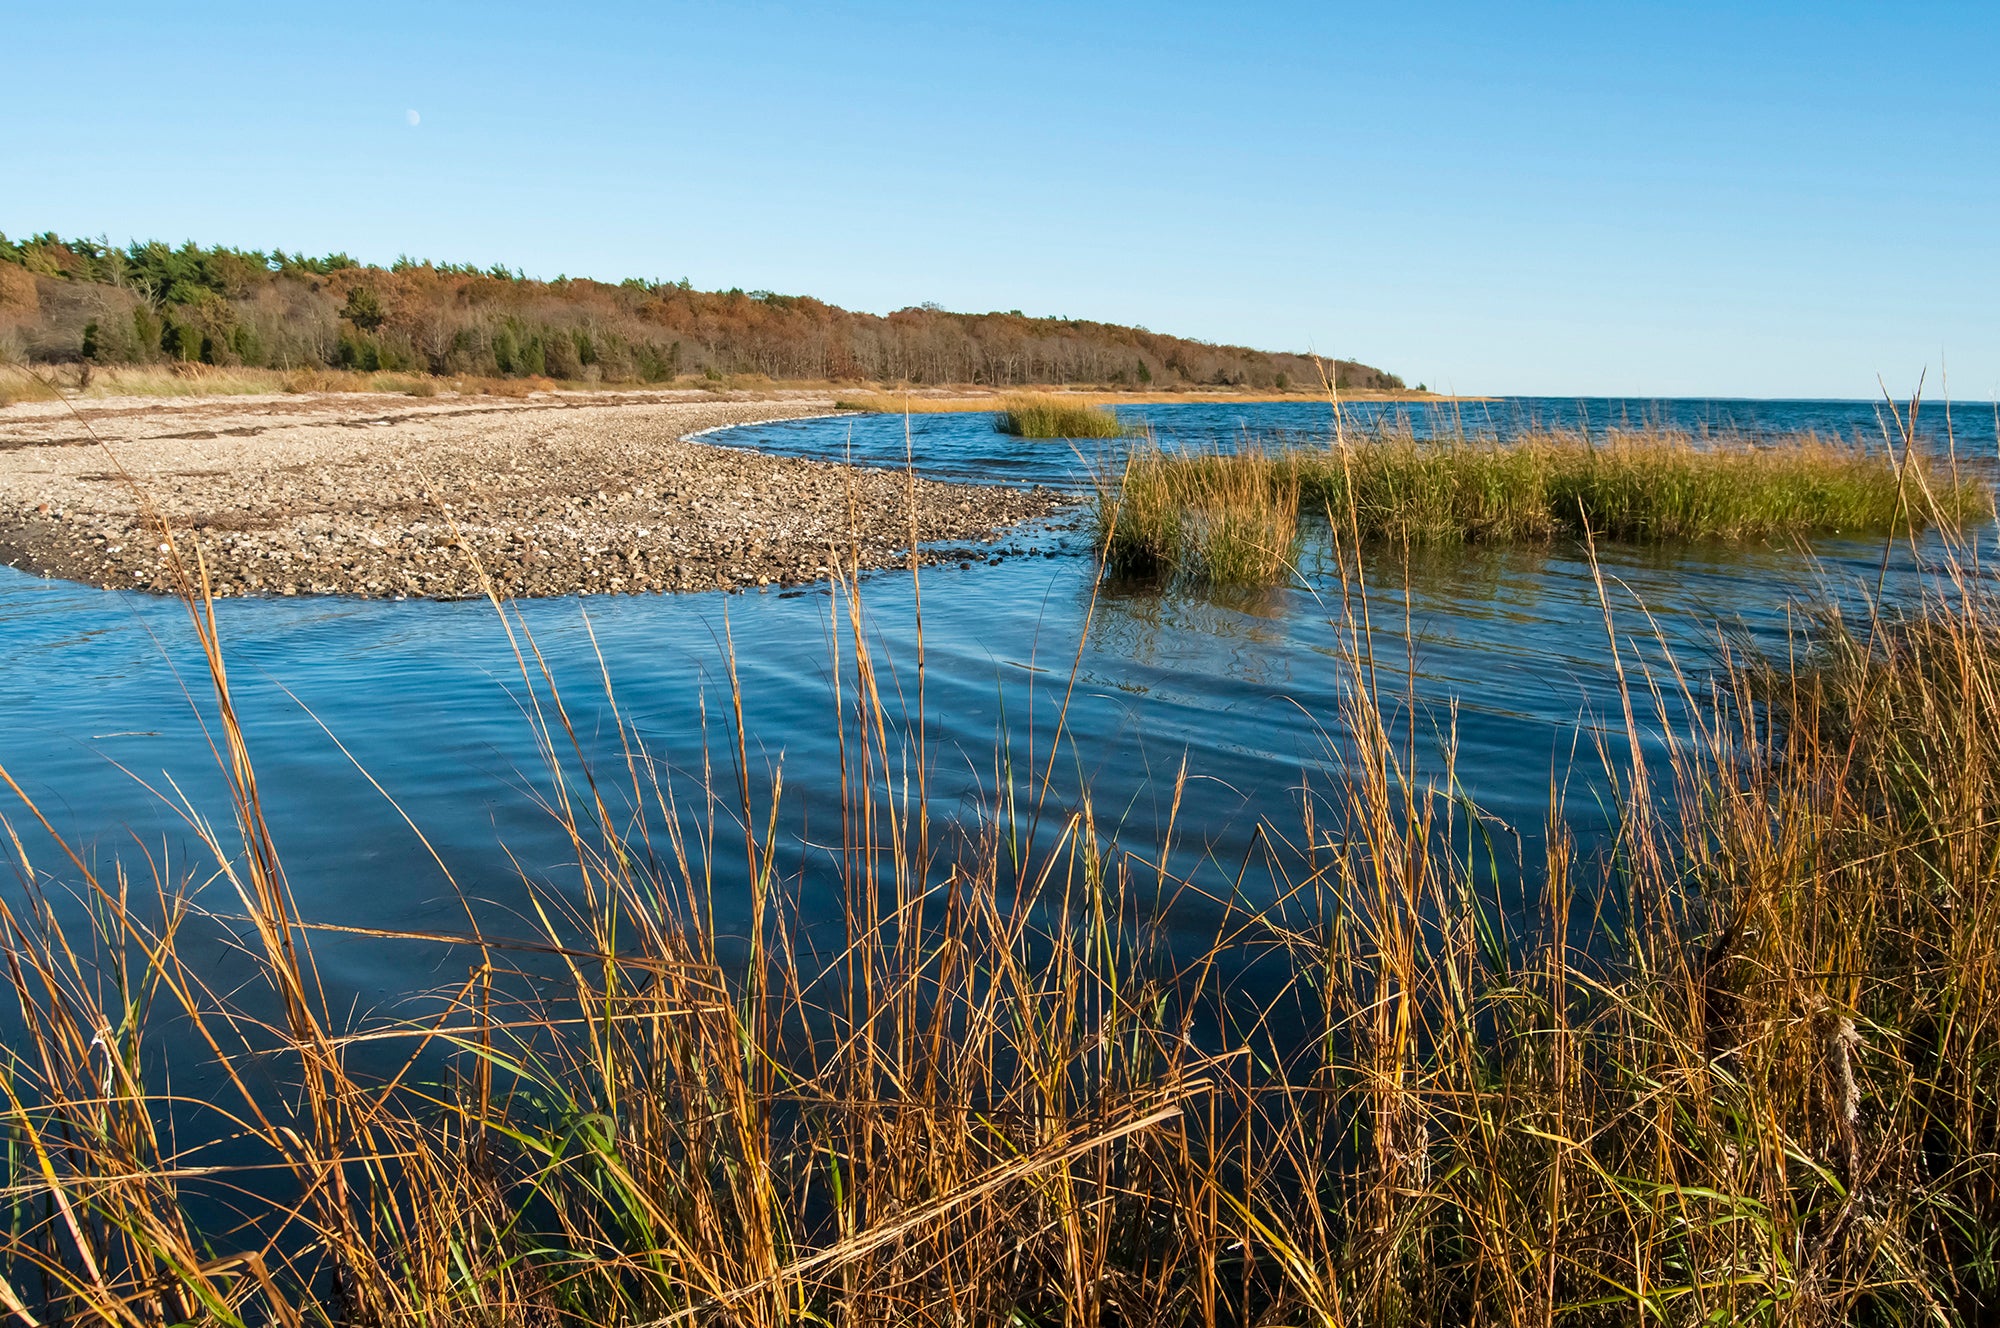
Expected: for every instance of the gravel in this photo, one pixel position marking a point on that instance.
(379, 496)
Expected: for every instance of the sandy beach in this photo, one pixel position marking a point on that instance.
(385, 496)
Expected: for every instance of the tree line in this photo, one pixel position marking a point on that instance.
(84, 301)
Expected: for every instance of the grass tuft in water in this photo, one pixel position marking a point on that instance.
(1045, 415)
(1637, 487)
(1219, 520)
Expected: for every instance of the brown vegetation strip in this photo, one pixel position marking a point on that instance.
(555, 495)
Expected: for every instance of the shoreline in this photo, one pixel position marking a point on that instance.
(135, 388)
(553, 495)
(949, 401)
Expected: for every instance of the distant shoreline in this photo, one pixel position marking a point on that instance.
(84, 304)
(155, 382)
(928, 401)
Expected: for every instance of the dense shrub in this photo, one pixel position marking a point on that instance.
(559, 354)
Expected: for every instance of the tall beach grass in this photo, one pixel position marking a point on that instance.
(1737, 1064)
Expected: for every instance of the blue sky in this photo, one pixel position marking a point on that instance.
(1691, 199)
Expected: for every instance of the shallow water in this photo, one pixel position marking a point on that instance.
(966, 447)
(427, 698)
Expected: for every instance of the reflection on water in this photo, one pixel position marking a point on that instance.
(1238, 633)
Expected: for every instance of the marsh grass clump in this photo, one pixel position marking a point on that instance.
(887, 401)
(1641, 487)
(1224, 520)
(1045, 415)
(1635, 487)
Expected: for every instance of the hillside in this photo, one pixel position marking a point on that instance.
(88, 302)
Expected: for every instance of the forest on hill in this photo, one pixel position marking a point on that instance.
(90, 302)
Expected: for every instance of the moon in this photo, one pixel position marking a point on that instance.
(413, 118)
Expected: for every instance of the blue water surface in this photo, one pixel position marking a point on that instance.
(1506, 651)
(965, 446)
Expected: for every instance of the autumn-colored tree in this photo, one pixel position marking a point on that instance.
(290, 310)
